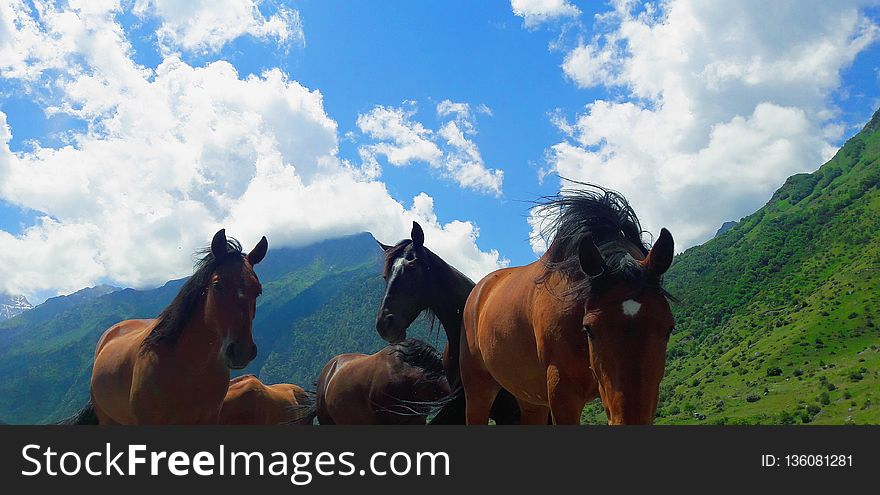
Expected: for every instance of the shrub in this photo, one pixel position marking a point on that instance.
(774, 371)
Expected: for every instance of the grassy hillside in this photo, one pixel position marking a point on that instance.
(778, 317)
(318, 301)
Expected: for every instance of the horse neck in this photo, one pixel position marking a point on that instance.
(453, 290)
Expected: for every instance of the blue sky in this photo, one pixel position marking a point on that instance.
(695, 131)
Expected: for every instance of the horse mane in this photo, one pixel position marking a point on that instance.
(419, 354)
(607, 216)
(174, 318)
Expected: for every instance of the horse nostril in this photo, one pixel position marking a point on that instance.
(230, 351)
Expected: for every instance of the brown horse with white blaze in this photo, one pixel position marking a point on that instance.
(589, 318)
(175, 369)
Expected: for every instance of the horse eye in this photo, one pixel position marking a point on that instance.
(588, 330)
(218, 286)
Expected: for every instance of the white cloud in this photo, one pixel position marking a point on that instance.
(204, 26)
(450, 149)
(535, 12)
(402, 140)
(170, 155)
(719, 105)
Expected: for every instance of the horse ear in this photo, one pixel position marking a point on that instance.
(218, 244)
(258, 252)
(660, 256)
(417, 235)
(385, 247)
(592, 262)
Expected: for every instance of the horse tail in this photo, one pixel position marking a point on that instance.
(85, 416)
(306, 410)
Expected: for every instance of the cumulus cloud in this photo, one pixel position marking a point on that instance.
(717, 106)
(169, 155)
(204, 26)
(536, 12)
(451, 149)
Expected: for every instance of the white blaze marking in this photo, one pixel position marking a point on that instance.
(631, 307)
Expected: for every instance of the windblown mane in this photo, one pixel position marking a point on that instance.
(589, 209)
(175, 317)
(419, 354)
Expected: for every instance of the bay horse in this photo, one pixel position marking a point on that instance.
(389, 387)
(175, 369)
(251, 402)
(417, 281)
(588, 318)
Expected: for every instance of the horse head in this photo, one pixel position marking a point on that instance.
(407, 267)
(231, 299)
(627, 322)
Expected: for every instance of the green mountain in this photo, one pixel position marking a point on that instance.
(318, 301)
(777, 319)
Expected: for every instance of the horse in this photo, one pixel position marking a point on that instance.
(390, 387)
(174, 369)
(589, 318)
(251, 402)
(417, 281)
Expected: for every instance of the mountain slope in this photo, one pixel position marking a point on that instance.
(318, 301)
(777, 319)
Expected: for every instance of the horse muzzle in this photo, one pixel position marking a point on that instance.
(237, 356)
(390, 327)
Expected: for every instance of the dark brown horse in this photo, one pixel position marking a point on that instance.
(589, 318)
(175, 369)
(251, 402)
(390, 387)
(417, 281)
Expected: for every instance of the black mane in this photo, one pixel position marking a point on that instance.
(419, 354)
(175, 317)
(605, 215)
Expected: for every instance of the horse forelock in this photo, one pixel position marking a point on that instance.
(607, 217)
(393, 254)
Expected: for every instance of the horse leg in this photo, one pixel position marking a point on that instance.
(103, 418)
(480, 391)
(566, 404)
(532, 414)
(478, 402)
